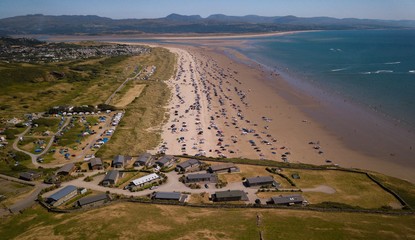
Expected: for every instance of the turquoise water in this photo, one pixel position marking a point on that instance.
(373, 68)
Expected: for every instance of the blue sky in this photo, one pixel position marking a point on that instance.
(379, 9)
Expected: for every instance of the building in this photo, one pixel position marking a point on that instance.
(230, 195)
(143, 180)
(145, 159)
(96, 164)
(118, 161)
(110, 178)
(225, 167)
(188, 166)
(66, 169)
(200, 177)
(93, 200)
(287, 200)
(260, 181)
(29, 175)
(62, 196)
(165, 161)
(176, 196)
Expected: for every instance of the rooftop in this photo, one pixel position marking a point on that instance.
(167, 195)
(260, 179)
(188, 163)
(66, 168)
(287, 199)
(92, 199)
(111, 175)
(63, 192)
(145, 179)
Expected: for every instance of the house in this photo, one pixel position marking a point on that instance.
(166, 196)
(93, 200)
(145, 159)
(118, 161)
(143, 180)
(110, 178)
(189, 165)
(66, 169)
(62, 196)
(200, 177)
(225, 167)
(260, 181)
(165, 161)
(29, 175)
(96, 164)
(230, 195)
(287, 200)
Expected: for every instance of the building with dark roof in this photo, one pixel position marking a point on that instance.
(93, 200)
(260, 181)
(166, 196)
(189, 165)
(96, 164)
(29, 175)
(118, 161)
(66, 169)
(165, 161)
(145, 159)
(221, 168)
(110, 178)
(287, 200)
(200, 177)
(230, 195)
(62, 195)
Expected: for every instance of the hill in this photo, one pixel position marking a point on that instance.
(175, 23)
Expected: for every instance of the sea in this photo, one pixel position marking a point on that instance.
(374, 69)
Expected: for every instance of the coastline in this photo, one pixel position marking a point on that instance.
(268, 95)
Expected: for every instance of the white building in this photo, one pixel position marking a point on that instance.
(143, 180)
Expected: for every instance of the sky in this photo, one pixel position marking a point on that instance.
(121, 9)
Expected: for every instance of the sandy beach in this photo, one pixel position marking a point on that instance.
(223, 107)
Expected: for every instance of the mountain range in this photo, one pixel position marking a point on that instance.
(175, 23)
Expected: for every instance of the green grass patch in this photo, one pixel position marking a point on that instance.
(174, 222)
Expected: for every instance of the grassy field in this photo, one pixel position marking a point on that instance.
(143, 221)
(12, 191)
(351, 188)
(134, 135)
(33, 88)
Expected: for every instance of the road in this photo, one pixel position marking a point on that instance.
(35, 156)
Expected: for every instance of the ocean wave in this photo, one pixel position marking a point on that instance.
(336, 50)
(411, 71)
(383, 71)
(392, 63)
(338, 69)
(366, 73)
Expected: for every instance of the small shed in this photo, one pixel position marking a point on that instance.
(189, 165)
(230, 195)
(93, 200)
(66, 169)
(96, 164)
(110, 178)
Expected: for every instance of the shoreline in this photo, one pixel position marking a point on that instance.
(295, 127)
(117, 37)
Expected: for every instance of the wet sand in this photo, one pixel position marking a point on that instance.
(227, 108)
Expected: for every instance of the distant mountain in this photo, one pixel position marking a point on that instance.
(175, 23)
